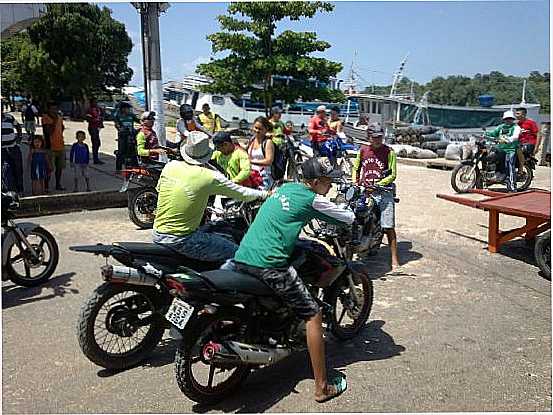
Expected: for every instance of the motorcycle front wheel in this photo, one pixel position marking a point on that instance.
(29, 270)
(118, 325)
(542, 252)
(350, 306)
(142, 207)
(524, 180)
(464, 177)
(200, 380)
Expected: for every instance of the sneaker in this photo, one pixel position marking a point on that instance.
(99, 162)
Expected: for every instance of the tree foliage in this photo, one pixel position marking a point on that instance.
(75, 49)
(463, 90)
(256, 55)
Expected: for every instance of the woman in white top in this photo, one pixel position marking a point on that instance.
(262, 150)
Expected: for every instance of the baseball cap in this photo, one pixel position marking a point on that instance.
(148, 115)
(321, 108)
(222, 137)
(509, 114)
(314, 168)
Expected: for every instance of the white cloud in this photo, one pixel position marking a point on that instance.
(190, 67)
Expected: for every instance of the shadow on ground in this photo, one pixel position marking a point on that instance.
(58, 286)
(379, 264)
(267, 386)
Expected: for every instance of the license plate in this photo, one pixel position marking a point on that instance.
(179, 313)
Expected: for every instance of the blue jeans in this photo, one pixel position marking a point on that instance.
(199, 245)
(510, 171)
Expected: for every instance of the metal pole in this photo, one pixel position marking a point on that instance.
(145, 57)
(155, 85)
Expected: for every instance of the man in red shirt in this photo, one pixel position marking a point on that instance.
(528, 139)
(95, 118)
(318, 129)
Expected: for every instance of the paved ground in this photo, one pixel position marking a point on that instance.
(465, 331)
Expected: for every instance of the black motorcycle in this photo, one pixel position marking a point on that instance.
(231, 322)
(30, 253)
(122, 320)
(487, 167)
(542, 252)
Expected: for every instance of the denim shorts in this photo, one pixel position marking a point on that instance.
(286, 283)
(199, 245)
(386, 204)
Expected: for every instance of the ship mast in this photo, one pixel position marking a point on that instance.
(397, 76)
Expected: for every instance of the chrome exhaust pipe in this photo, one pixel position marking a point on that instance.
(126, 275)
(233, 352)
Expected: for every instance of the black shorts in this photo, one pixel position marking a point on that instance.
(287, 285)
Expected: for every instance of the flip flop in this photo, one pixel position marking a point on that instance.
(339, 384)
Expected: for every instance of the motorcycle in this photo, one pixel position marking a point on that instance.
(542, 252)
(486, 168)
(231, 323)
(30, 253)
(339, 152)
(294, 156)
(122, 321)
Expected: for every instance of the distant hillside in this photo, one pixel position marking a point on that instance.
(462, 90)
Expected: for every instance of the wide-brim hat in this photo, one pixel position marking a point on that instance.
(196, 149)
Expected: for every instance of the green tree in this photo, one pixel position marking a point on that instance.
(268, 65)
(75, 49)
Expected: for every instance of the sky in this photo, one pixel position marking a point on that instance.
(441, 38)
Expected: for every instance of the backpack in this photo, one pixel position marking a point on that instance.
(278, 168)
(29, 113)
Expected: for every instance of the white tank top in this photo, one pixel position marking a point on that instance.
(257, 154)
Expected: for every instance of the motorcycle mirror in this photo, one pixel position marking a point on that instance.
(350, 193)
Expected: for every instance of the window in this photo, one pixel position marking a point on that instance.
(217, 100)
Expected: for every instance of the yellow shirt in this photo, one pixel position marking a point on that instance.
(210, 122)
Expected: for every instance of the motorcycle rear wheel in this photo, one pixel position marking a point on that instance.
(343, 304)
(526, 179)
(459, 180)
(124, 317)
(50, 261)
(142, 207)
(189, 354)
(542, 252)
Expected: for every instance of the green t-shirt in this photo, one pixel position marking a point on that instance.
(273, 234)
(126, 121)
(278, 132)
(508, 132)
(183, 190)
(236, 165)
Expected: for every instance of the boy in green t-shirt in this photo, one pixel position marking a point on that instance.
(266, 249)
(124, 123)
(231, 158)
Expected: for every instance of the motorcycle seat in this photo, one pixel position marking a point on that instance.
(236, 281)
(141, 248)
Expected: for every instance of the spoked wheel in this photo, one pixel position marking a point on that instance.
(203, 381)
(142, 208)
(524, 180)
(30, 270)
(351, 306)
(464, 178)
(118, 325)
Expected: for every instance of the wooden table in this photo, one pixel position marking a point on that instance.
(533, 205)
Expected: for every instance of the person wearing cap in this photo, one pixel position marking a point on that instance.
(318, 129)
(210, 121)
(376, 164)
(146, 139)
(231, 158)
(529, 139)
(507, 135)
(277, 134)
(183, 191)
(335, 123)
(266, 249)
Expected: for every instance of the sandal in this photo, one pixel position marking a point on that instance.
(339, 385)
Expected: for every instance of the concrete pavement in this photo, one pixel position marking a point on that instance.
(464, 330)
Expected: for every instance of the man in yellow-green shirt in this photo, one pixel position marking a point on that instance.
(210, 121)
(231, 158)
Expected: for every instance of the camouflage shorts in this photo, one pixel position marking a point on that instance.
(288, 286)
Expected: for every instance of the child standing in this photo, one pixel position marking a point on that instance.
(40, 166)
(79, 159)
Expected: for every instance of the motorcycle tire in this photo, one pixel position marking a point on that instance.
(458, 170)
(87, 324)
(198, 332)
(21, 280)
(542, 252)
(359, 316)
(529, 176)
(134, 206)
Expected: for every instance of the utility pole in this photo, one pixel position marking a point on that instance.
(151, 56)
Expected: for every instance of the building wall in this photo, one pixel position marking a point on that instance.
(17, 17)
